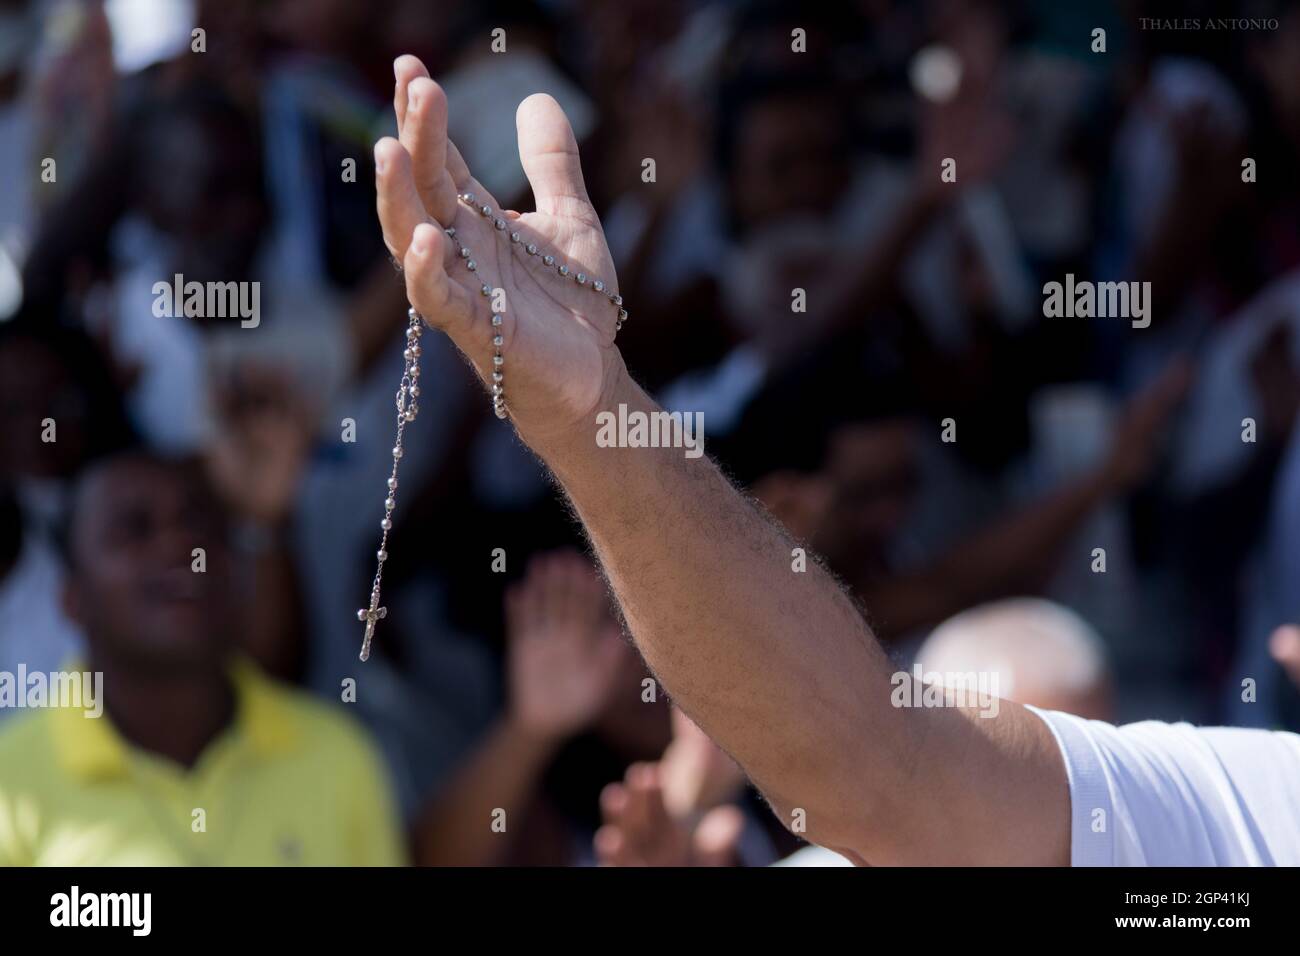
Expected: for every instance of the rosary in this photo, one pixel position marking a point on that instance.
(409, 388)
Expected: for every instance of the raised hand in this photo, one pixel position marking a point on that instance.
(565, 650)
(560, 361)
(640, 830)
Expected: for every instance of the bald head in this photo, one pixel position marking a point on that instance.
(1043, 654)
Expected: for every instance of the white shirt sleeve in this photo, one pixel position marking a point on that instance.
(1156, 794)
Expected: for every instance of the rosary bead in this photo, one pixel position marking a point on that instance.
(392, 484)
(581, 278)
(382, 556)
(464, 252)
(361, 614)
(397, 451)
(485, 209)
(497, 377)
(598, 285)
(498, 361)
(564, 270)
(390, 503)
(548, 261)
(499, 223)
(386, 524)
(531, 248)
(468, 197)
(498, 341)
(496, 320)
(471, 265)
(515, 237)
(486, 289)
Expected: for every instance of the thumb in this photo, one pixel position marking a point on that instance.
(549, 155)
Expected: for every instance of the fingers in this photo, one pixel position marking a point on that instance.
(405, 69)
(549, 154)
(398, 202)
(457, 167)
(445, 304)
(717, 837)
(424, 134)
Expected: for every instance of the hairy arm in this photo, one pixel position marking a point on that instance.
(781, 670)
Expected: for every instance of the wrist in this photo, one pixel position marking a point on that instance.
(577, 439)
(527, 739)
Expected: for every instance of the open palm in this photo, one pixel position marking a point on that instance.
(557, 335)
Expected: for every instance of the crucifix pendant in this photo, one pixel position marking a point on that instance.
(407, 407)
(371, 616)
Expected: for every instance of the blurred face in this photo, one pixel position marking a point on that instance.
(873, 473)
(131, 584)
(789, 160)
(34, 386)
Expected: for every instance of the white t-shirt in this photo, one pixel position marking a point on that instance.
(1156, 794)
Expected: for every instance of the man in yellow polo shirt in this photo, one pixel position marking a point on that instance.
(197, 758)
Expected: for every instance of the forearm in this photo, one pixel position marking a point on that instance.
(764, 658)
(455, 828)
(780, 669)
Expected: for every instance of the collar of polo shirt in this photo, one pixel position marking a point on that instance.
(91, 747)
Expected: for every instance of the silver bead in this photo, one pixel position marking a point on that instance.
(397, 451)
(412, 314)
(486, 289)
(468, 197)
(416, 351)
(386, 524)
(415, 371)
(381, 555)
(415, 390)
(617, 300)
(515, 237)
(497, 377)
(531, 248)
(408, 354)
(622, 315)
(499, 223)
(392, 484)
(496, 390)
(500, 410)
(548, 261)
(496, 320)
(464, 253)
(564, 270)
(598, 285)
(409, 415)
(471, 265)
(361, 612)
(390, 503)
(450, 231)
(581, 278)
(498, 361)
(485, 209)
(498, 341)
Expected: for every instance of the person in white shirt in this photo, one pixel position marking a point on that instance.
(775, 663)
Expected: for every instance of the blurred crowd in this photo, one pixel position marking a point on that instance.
(1109, 515)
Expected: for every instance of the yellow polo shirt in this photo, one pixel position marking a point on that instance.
(290, 782)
